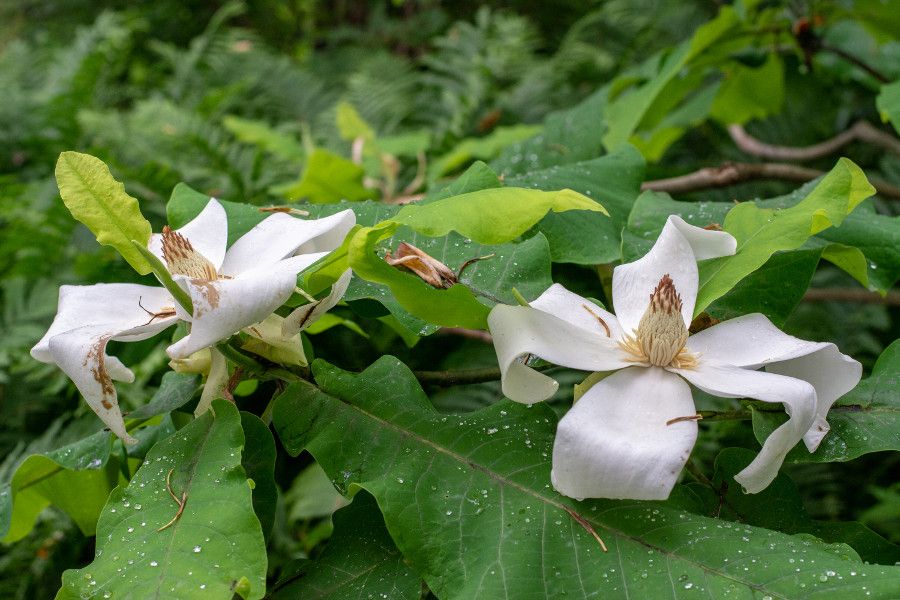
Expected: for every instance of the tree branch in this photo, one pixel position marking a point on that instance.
(472, 334)
(861, 130)
(854, 60)
(732, 173)
(851, 295)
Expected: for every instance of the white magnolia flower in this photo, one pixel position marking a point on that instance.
(230, 290)
(630, 434)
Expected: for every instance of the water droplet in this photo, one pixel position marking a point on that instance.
(153, 563)
(197, 549)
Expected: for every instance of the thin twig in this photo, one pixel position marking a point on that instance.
(586, 524)
(851, 295)
(448, 378)
(861, 130)
(881, 77)
(472, 334)
(180, 502)
(731, 173)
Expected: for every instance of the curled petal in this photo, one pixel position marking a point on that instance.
(81, 354)
(207, 234)
(306, 315)
(675, 253)
(615, 441)
(581, 312)
(797, 396)
(87, 319)
(522, 330)
(753, 341)
(126, 311)
(282, 235)
(225, 306)
(215, 383)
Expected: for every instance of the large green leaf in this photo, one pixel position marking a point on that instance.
(258, 461)
(867, 419)
(213, 548)
(780, 507)
(360, 561)
(584, 237)
(569, 136)
(888, 102)
(467, 499)
(483, 148)
(760, 232)
(524, 265)
(326, 178)
(96, 199)
(750, 93)
(626, 112)
(76, 478)
(492, 216)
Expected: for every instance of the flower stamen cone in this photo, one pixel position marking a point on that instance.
(661, 334)
(182, 259)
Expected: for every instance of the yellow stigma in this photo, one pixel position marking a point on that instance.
(661, 334)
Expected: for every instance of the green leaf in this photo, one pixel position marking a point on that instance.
(327, 178)
(780, 507)
(360, 561)
(208, 549)
(626, 112)
(775, 289)
(524, 265)
(186, 203)
(175, 390)
(867, 419)
(350, 124)
(760, 232)
(492, 216)
(101, 203)
(584, 237)
(483, 148)
(467, 499)
(888, 103)
(569, 136)
(76, 479)
(258, 460)
(270, 140)
(750, 93)
(312, 496)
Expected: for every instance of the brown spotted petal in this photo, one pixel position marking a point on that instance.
(226, 306)
(88, 318)
(206, 234)
(181, 258)
(429, 269)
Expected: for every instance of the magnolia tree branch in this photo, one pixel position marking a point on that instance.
(851, 295)
(860, 131)
(731, 173)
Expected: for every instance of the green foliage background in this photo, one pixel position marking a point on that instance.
(268, 102)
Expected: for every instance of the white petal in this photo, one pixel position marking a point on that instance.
(81, 354)
(581, 312)
(675, 253)
(282, 235)
(215, 383)
(614, 442)
(753, 341)
(115, 306)
(798, 397)
(306, 315)
(225, 306)
(207, 233)
(521, 330)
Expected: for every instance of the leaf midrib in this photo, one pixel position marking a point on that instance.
(555, 503)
